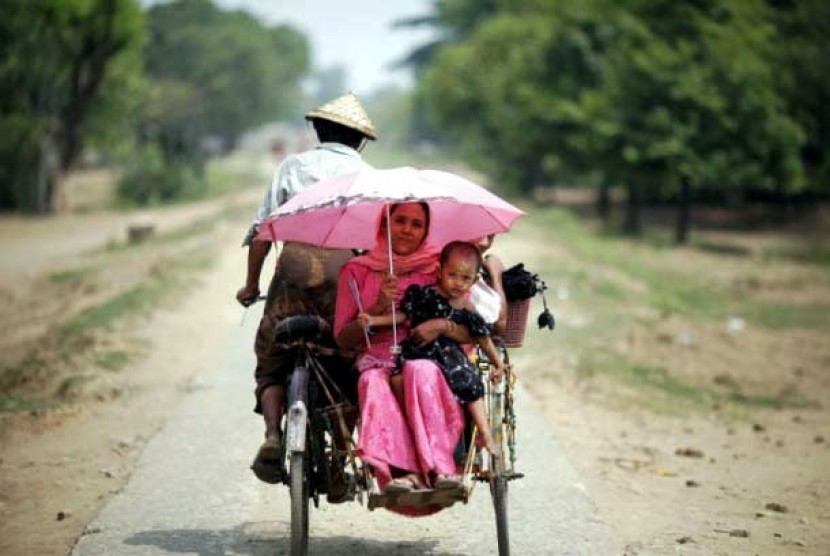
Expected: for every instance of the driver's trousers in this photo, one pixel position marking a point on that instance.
(304, 283)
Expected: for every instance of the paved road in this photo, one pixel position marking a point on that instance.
(192, 492)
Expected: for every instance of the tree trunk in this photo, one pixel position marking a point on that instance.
(684, 211)
(88, 73)
(603, 203)
(46, 177)
(633, 225)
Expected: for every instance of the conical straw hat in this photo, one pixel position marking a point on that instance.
(347, 111)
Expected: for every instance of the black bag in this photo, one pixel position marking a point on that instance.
(520, 283)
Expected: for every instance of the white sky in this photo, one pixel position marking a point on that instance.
(357, 34)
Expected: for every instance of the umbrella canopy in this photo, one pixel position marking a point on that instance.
(343, 212)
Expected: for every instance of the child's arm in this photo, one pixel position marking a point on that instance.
(371, 321)
(486, 343)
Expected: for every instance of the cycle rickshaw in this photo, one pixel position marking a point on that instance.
(338, 213)
(318, 441)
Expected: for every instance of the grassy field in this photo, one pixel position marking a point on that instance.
(678, 328)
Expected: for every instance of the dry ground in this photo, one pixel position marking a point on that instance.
(688, 386)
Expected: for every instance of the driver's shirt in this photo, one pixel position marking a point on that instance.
(301, 170)
(305, 278)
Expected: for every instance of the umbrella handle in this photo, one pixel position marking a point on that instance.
(395, 348)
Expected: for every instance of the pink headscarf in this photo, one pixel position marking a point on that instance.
(423, 260)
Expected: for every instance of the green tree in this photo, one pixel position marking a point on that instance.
(513, 92)
(55, 60)
(453, 21)
(237, 71)
(803, 49)
(662, 97)
(685, 115)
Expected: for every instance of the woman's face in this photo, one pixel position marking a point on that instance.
(408, 226)
(484, 243)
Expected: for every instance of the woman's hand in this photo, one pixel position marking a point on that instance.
(388, 291)
(426, 332)
(365, 320)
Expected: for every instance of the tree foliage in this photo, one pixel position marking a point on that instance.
(211, 75)
(662, 97)
(55, 60)
(227, 69)
(106, 73)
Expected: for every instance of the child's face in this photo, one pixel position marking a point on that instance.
(458, 274)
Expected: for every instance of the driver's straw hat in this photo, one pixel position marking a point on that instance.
(347, 111)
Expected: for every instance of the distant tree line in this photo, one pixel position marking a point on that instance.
(154, 89)
(670, 100)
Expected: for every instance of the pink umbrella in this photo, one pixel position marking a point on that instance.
(344, 212)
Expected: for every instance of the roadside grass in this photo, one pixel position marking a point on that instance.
(194, 229)
(70, 277)
(654, 388)
(669, 289)
(785, 316)
(82, 340)
(814, 254)
(615, 285)
(12, 403)
(113, 359)
(165, 277)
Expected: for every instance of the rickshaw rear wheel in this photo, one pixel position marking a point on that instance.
(298, 489)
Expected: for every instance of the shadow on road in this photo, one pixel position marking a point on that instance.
(242, 541)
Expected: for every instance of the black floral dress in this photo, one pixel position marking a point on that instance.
(422, 303)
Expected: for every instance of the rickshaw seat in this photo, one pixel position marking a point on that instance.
(302, 328)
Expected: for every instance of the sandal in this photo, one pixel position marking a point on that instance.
(407, 483)
(447, 482)
(267, 465)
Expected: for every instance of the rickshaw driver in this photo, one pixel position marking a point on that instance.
(305, 278)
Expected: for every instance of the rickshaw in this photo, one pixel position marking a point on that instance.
(336, 213)
(318, 442)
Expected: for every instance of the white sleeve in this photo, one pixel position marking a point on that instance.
(274, 196)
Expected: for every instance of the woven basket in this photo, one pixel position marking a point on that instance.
(514, 334)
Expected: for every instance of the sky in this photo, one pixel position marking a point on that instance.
(357, 34)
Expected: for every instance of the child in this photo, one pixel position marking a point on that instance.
(459, 270)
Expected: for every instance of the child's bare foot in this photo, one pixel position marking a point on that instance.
(491, 447)
(487, 442)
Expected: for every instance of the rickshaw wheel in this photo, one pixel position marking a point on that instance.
(498, 490)
(298, 489)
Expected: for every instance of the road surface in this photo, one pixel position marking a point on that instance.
(192, 492)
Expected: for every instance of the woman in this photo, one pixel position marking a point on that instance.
(487, 295)
(412, 446)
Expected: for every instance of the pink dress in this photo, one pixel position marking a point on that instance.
(423, 440)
